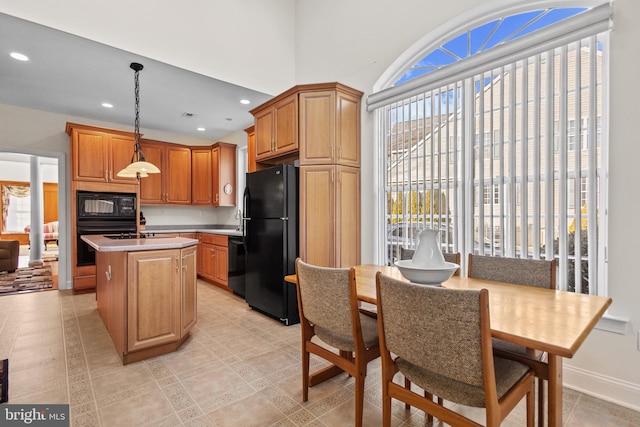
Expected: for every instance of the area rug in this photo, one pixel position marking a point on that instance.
(50, 255)
(27, 279)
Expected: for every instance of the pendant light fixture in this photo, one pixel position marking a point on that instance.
(139, 167)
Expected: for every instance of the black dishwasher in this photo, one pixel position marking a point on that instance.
(236, 265)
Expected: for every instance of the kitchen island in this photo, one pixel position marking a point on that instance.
(145, 292)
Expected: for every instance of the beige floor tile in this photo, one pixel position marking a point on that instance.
(186, 360)
(344, 415)
(129, 377)
(214, 382)
(137, 410)
(253, 411)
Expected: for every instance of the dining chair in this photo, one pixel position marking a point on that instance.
(527, 272)
(453, 257)
(448, 257)
(328, 307)
(441, 340)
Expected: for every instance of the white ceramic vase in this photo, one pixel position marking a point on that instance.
(428, 253)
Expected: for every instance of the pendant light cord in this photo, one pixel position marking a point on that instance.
(138, 156)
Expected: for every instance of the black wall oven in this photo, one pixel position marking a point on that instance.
(102, 213)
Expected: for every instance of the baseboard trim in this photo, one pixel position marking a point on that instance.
(612, 390)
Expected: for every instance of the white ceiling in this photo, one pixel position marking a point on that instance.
(70, 75)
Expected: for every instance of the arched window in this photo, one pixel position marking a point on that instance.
(480, 139)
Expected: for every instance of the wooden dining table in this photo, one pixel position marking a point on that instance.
(557, 322)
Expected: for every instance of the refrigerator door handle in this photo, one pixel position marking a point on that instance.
(245, 198)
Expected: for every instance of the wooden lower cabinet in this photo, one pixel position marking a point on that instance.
(213, 259)
(147, 299)
(330, 215)
(188, 289)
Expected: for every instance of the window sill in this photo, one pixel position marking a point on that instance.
(612, 323)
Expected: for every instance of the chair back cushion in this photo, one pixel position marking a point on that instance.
(529, 272)
(326, 298)
(435, 328)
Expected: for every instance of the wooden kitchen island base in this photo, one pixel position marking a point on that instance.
(159, 350)
(146, 294)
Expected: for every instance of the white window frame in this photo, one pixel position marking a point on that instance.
(456, 26)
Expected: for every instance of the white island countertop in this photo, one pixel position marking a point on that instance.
(104, 244)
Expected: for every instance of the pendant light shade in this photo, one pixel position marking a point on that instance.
(126, 173)
(139, 167)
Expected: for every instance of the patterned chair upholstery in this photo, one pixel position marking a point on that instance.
(441, 341)
(527, 272)
(49, 231)
(9, 253)
(328, 306)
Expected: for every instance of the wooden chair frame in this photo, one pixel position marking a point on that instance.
(353, 363)
(539, 365)
(496, 410)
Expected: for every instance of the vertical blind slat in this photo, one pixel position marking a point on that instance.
(504, 160)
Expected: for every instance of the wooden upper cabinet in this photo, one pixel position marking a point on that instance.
(173, 184)
(251, 148)
(318, 124)
(330, 127)
(276, 128)
(223, 161)
(99, 154)
(121, 152)
(264, 134)
(151, 187)
(201, 176)
(178, 178)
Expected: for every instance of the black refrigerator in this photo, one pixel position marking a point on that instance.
(271, 240)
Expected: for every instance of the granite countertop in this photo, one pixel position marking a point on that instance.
(105, 244)
(209, 229)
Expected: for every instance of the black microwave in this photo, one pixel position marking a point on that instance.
(91, 204)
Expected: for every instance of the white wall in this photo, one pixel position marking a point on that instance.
(19, 171)
(354, 42)
(245, 42)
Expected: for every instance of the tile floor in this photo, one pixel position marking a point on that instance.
(239, 368)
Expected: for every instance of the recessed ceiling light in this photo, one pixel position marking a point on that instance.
(201, 129)
(19, 56)
(245, 101)
(107, 105)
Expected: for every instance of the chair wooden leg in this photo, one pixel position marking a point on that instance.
(407, 385)
(540, 402)
(359, 399)
(386, 403)
(429, 396)
(531, 407)
(305, 374)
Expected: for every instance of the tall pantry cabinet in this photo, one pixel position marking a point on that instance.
(325, 132)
